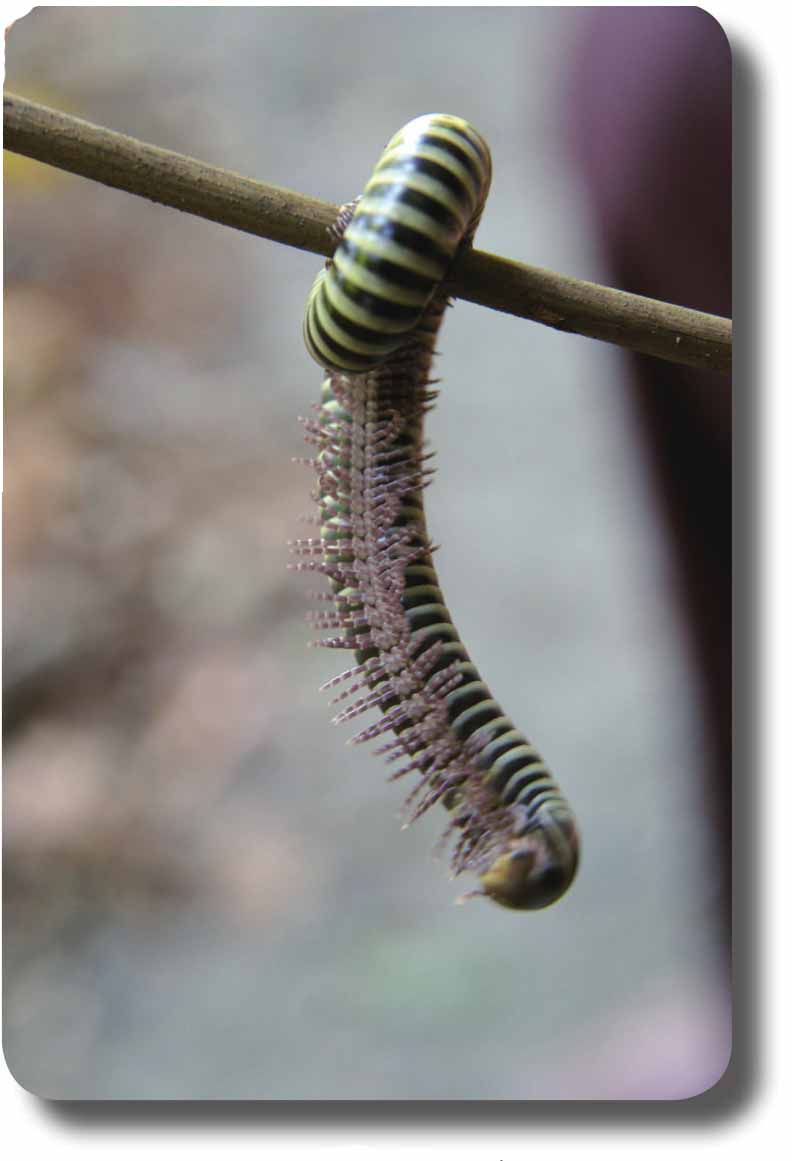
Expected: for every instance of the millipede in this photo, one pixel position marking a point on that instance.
(371, 321)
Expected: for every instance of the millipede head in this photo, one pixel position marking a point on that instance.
(535, 870)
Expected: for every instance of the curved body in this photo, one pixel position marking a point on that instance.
(514, 827)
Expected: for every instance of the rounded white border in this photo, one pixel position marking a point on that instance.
(760, 1121)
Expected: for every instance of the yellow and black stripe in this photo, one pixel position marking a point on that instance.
(422, 202)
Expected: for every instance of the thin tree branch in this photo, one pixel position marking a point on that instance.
(567, 304)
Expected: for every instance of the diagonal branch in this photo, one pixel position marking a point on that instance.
(567, 304)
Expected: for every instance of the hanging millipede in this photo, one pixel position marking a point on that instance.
(371, 321)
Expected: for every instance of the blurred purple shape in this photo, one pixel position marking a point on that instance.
(651, 101)
(650, 116)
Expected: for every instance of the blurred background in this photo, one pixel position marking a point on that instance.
(207, 894)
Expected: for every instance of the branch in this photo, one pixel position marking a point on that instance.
(567, 304)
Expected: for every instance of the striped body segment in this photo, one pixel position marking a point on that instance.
(424, 197)
(513, 826)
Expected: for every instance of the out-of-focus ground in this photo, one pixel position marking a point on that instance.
(208, 895)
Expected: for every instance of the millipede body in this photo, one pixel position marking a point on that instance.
(371, 321)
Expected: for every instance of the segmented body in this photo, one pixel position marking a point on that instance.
(514, 827)
(423, 199)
